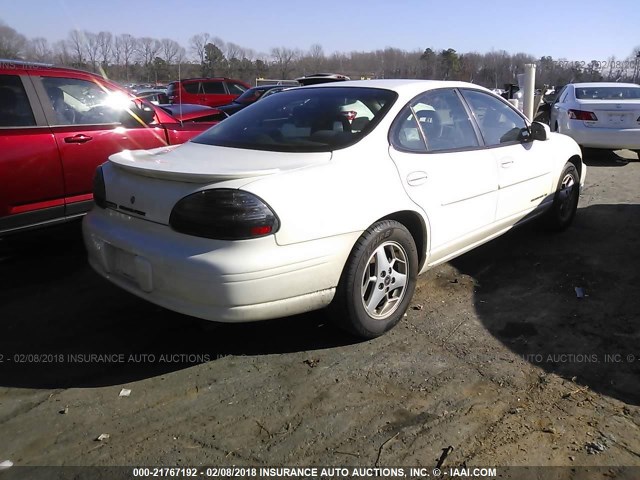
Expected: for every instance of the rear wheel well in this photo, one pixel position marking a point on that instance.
(577, 161)
(415, 224)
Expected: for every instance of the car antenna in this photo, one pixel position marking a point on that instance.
(180, 92)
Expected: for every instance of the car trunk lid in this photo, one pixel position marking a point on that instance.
(147, 183)
(613, 114)
(197, 163)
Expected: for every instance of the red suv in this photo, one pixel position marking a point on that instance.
(56, 126)
(206, 91)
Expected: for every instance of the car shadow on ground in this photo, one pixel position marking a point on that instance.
(606, 158)
(567, 303)
(56, 313)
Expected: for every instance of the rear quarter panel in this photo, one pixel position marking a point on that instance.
(357, 187)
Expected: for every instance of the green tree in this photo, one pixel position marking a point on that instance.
(213, 60)
(450, 63)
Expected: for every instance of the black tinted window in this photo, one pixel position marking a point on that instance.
(191, 87)
(303, 120)
(214, 87)
(15, 110)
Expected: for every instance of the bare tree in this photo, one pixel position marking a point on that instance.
(76, 45)
(91, 48)
(125, 48)
(147, 51)
(38, 49)
(105, 48)
(197, 43)
(169, 50)
(232, 51)
(12, 43)
(634, 60)
(61, 53)
(283, 59)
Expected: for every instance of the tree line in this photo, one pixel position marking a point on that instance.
(126, 58)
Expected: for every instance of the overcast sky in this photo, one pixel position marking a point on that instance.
(573, 30)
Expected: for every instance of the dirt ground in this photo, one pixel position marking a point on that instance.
(497, 358)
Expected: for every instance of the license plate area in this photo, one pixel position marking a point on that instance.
(131, 267)
(618, 118)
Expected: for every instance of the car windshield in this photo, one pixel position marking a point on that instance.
(608, 93)
(303, 120)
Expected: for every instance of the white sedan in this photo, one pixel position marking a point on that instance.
(599, 115)
(283, 208)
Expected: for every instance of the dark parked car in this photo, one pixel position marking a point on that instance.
(56, 126)
(250, 96)
(206, 91)
(316, 78)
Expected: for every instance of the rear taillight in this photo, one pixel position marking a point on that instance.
(99, 190)
(350, 114)
(582, 115)
(223, 214)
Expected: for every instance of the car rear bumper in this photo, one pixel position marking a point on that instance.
(229, 281)
(595, 137)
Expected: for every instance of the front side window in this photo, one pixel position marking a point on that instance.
(15, 110)
(192, 87)
(82, 102)
(433, 122)
(302, 120)
(498, 121)
(562, 95)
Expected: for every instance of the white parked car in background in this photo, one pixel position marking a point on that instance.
(282, 208)
(599, 115)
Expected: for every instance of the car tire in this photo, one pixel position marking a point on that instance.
(378, 280)
(565, 200)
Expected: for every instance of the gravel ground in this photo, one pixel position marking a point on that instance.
(497, 358)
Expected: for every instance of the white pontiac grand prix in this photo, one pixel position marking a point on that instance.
(300, 201)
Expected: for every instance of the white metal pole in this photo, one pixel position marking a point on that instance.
(529, 88)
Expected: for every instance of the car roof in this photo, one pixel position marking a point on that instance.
(39, 67)
(268, 87)
(402, 86)
(604, 84)
(205, 79)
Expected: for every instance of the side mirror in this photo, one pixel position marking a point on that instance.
(524, 135)
(138, 115)
(539, 131)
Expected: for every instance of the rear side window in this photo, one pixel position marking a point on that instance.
(192, 87)
(214, 87)
(433, 122)
(15, 110)
(303, 120)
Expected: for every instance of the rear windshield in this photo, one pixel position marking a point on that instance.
(608, 93)
(303, 120)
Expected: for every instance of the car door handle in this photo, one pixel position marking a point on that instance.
(506, 163)
(80, 138)
(416, 178)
